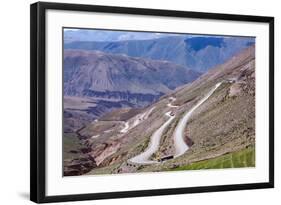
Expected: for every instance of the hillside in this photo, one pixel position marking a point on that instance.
(88, 73)
(223, 123)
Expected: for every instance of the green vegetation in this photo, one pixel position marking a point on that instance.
(242, 158)
(145, 144)
(71, 144)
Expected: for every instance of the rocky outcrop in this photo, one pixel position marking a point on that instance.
(79, 166)
(235, 90)
(109, 149)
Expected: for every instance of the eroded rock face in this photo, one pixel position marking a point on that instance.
(108, 150)
(235, 90)
(79, 166)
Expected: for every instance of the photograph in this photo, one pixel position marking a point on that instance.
(149, 101)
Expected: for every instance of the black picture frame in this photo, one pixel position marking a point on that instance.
(38, 100)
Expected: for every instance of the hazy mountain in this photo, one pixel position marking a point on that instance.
(197, 53)
(137, 80)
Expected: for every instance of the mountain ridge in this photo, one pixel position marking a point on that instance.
(197, 53)
(102, 72)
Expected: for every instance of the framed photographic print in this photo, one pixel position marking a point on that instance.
(129, 102)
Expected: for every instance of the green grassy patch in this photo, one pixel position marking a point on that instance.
(71, 143)
(242, 158)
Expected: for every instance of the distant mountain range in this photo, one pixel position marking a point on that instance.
(111, 76)
(196, 53)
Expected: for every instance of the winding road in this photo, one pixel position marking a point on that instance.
(143, 158)
(126, 127)
(154, 143)
(179, 143)
(180, 146)
(170, 103)
(137, 120)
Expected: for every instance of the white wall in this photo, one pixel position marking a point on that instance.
(14, 103)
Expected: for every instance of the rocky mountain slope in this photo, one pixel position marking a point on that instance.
(93, 73)
(224, 123)
(96, 83)
(192, 51)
